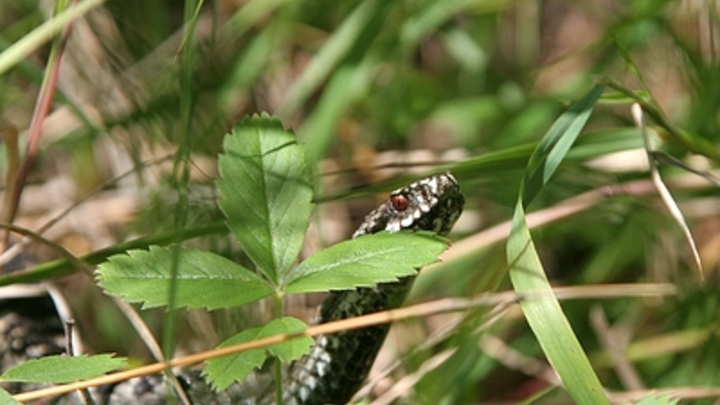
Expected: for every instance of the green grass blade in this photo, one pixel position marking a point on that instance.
(541, 308)
(40, 35)
(437, 13)
(546, 318)
(252, 63)
(357, 30)
(556, 143)
(347, 85)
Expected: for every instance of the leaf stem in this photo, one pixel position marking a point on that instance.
(278, 308)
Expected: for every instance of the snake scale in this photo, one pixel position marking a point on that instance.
(338, 363)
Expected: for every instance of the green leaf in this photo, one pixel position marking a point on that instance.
(222, 372)
(292, 349)
(204, 279)
(541, 308)
(266, 195)
(7, 399)
(61, 369)
(366, 261)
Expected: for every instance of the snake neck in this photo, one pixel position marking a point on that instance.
(346, 356)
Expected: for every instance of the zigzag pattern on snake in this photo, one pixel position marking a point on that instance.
(337, 364)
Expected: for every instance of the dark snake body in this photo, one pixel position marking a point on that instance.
(337, 364)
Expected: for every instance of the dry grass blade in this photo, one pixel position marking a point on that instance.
(494, 315)
(667, 198)
(615, 343)
(676, 392)
(564, 209)
(514, 360)
(403, 387)
(151, 343)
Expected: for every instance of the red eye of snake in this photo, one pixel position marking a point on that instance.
(399, 202)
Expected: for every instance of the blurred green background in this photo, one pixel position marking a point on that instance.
(385, 89)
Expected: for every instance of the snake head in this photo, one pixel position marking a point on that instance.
(430, 204)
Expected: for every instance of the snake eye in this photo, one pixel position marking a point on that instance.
(399, 202)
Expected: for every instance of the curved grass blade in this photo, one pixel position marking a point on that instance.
(667, 198)
(552, 149)
(541, 308)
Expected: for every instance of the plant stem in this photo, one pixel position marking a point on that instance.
(278, 308)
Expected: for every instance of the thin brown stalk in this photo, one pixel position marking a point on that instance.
(9, 135)
(564, 209)
(42, 107)
(415, 311)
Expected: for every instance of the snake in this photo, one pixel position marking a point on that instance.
(337, 364)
